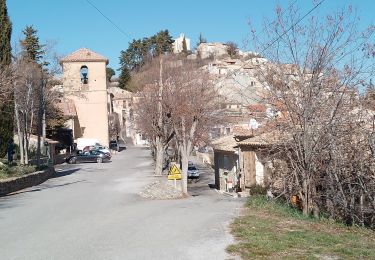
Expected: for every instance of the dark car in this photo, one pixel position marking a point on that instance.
(88, 156)
(117, 145)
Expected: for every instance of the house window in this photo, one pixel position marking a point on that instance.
(84, 74)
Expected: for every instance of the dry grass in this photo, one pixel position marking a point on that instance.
(272, 230)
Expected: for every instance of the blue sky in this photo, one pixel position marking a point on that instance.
(73, 24)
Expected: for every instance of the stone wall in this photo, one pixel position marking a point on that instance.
(18, 183)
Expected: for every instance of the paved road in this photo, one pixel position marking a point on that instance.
(93, 211)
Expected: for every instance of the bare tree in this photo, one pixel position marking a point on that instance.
(151, 116)
(192, 103)
(315, 70)
(26, 88)
(188, 104)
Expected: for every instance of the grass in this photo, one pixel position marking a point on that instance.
(7, 171)
(273, 230)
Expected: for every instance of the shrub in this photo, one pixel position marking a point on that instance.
(258, 190)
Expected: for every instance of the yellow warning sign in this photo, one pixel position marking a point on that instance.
(174, 173)
(174, 170)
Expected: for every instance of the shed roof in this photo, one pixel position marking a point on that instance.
(243, 131)
(84, 54)
(262, 140)
(225, 143)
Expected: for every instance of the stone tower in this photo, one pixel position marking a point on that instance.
(85, 83)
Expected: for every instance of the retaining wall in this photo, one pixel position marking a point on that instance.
(18, 183)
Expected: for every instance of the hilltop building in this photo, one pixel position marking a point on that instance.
(178, 44)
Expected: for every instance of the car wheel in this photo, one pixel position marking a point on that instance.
(99, 160)
(72, 160)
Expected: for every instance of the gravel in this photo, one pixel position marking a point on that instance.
(160, 190)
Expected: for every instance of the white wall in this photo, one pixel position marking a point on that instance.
(259, 171)
(178, 46)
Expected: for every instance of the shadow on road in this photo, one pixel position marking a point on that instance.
(42, 187)
(63, 173)
(204, 184)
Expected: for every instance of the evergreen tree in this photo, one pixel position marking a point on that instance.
(201, 39)
(5, 34)
(140, 51)
(124, 78)
(161, 43)
(6, 108)
(31, 48)
(109, 73)
(184, 46)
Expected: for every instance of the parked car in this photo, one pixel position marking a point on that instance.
(192, 172)
(117, 145)
(88, 156)
(97, 147)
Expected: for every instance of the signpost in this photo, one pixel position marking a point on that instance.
(174, 174)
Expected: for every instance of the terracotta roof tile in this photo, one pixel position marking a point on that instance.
(84, 54)
(262, 139)
(242, 131)
(225, 143)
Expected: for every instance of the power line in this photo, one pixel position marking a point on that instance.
(109, 20)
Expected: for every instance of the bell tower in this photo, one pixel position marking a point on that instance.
(85, 83)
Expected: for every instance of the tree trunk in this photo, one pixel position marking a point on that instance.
(305, 198)
(26, 139)
(184, 168)
(20, 137)
(159, 140)
(159, 156)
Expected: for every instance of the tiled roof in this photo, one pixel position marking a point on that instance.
(242, 131)
(84, 54)
(120, 94)
(257, 108)
(262, 140)
(225, 143)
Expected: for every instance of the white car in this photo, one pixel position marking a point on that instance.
(192, 172)
(101, 148)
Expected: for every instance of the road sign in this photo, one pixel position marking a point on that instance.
(174, 170)
(174, 173)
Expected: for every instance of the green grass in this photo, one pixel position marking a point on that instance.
(273, 230)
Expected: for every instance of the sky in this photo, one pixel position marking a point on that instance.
(68, 25)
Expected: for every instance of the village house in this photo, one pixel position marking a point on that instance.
(120, 107)
(240, 159)
(212, 50)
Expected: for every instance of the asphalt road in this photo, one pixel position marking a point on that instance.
(93, 211)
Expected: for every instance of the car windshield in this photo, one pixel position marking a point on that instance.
(192, 168)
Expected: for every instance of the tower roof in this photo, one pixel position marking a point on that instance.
(84, 54)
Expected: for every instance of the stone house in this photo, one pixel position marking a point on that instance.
(212, 49)
(241, 162)
(120, 106)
